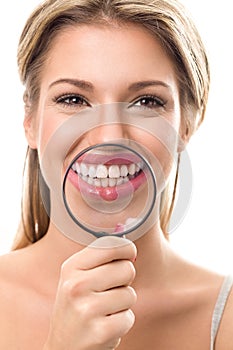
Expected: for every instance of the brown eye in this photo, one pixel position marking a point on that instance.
(149, 102)
(72, 100)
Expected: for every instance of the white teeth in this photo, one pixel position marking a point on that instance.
(114, 171)
(85, 178)
(106, 176)
(84, 169)
(132, 169)
(112, 182)
(104, 182)
(119, 181)
(97, 182)
(92, 171)
(101, 171)
(77, 167)
(124, 170)
(90, 180)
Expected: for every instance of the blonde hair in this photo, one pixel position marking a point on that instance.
(166, 19)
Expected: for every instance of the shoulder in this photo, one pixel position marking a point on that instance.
(10, 265)
(10, 291)
(10, 272)
(14, 272)
(214, 296)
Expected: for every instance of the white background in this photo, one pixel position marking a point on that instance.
(205, 235)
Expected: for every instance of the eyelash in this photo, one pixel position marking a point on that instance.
(81, 101)
(157, 102)
(66, 101)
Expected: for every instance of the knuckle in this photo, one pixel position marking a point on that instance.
(129, 320)
(108, 334)
(74, 287)
(133, 250)
(65, 268)
(85, 309)
(132, 295)
(69, 288)
(119, 326)
(129, 270)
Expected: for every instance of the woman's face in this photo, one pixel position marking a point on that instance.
(92, 65)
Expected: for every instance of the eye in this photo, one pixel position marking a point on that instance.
(72, 100)
(149, 101)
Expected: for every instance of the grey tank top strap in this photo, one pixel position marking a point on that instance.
(219, 308)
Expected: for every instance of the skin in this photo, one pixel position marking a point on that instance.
(53, 294)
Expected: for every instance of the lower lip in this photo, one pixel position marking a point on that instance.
(107, 193)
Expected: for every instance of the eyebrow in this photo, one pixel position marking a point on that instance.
(85, 85)
(147, 83)
(82, 84)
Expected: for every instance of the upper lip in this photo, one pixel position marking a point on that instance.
(108, 159)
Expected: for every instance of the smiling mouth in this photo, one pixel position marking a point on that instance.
(107, 175)
(116, 178)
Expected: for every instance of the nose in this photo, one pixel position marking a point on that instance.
(110, 126)
(107, 133)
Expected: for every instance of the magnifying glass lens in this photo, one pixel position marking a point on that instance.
(109, 189)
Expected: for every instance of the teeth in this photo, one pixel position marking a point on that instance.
(112, 182)
(124, 170)
(106, 176)
(77, 167)
(114, 171)
(101, 171)
(120, 181)
(104, 182)
(132, 169)
(97, 183)
(90, 180)
(92, 171)
(84, 169)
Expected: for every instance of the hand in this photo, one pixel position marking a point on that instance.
(92, 310)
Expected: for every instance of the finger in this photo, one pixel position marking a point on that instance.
(115, 274)
(117, 325)
(102, 251)
(115, 300)
(105, 303)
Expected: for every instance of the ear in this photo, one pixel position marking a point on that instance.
(29, 124)
(187, 126)
(184, 135)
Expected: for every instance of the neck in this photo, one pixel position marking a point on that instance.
(152, 247)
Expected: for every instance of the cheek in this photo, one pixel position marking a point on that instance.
(162, 149)
(47, 126)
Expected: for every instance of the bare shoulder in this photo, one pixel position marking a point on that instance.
(10, 291)
(15, 282)
(12, 269)
(11, 265)
(23, 306)
(208, 286)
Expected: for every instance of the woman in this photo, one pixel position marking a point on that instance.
(56, 293)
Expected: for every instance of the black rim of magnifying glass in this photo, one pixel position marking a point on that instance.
(101, 234)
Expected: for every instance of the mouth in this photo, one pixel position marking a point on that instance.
(105, 177)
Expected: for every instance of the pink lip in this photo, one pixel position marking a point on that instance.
(107, 193)
(122, 158)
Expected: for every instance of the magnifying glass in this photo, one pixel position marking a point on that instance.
(109, 189)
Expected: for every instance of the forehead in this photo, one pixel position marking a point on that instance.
(108, 51)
